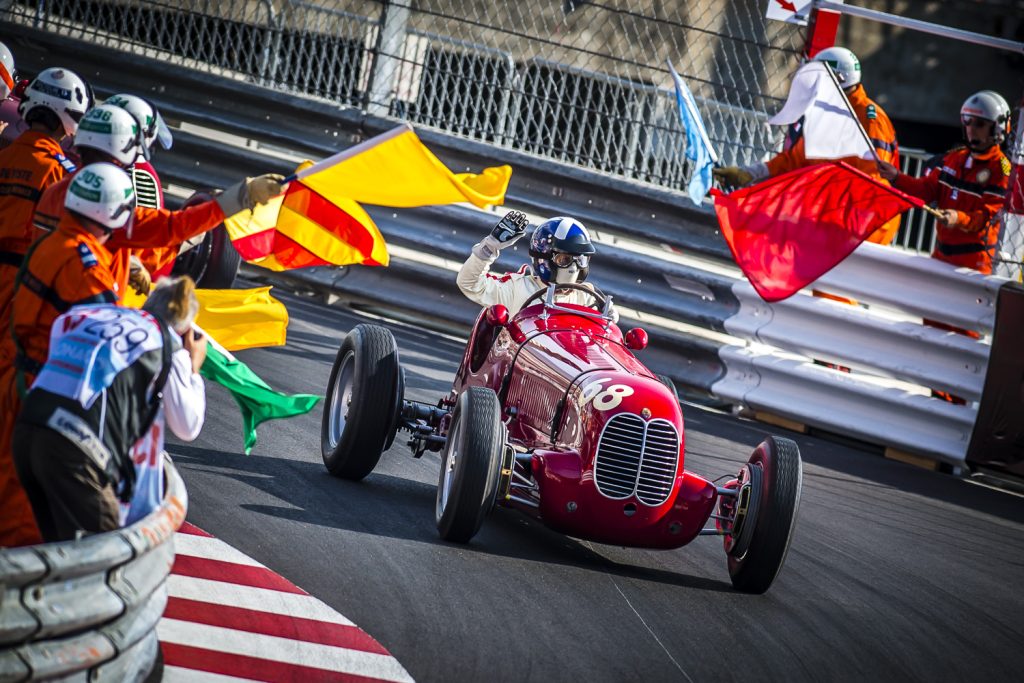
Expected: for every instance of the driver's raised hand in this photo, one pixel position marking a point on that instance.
(508, 230)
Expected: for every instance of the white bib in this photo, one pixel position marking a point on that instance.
(90, 345)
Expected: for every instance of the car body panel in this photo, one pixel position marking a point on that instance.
(562, 376)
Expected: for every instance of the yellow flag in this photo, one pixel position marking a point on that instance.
(242, 318)
(319, 220)
(396, 169)
(237, 318)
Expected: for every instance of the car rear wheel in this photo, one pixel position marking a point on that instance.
(360, 410)
(764, 527)
(470, 465)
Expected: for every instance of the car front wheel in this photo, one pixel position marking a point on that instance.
(470, 465)
(774, 475)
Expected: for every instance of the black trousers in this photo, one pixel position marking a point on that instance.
(66, 488)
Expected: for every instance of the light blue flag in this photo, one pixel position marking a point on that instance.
(698, 145)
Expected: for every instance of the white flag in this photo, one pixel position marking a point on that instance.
(830, 129)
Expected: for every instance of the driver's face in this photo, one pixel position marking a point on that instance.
(567, 276)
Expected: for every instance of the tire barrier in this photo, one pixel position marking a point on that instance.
(710, 331)
(90, 607)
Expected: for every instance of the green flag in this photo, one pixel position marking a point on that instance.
(257, 401)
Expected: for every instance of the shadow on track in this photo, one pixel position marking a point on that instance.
(396, 507)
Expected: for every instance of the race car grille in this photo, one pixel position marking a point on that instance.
(637, 457)
(146, 193)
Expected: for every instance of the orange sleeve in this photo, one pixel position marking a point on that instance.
(789, 160)
(161, 228)
(48, 211)
(883, 139)
(925, 188)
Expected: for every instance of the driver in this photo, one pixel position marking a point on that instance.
(561, 249)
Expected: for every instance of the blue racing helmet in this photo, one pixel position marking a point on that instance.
(561, 243)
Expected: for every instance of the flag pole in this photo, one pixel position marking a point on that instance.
(864, 133)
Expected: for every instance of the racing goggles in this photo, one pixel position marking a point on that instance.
(564, 260)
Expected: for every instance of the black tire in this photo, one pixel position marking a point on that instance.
(472, 456)
(365, 377)
(667, 381)
(781, 481)
(222, 263)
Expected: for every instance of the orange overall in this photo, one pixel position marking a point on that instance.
(975, 186)
(31, 163)
(152, 230)
(66, 268)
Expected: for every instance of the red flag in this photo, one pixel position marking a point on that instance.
(788, 231)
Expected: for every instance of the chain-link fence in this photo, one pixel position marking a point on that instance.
(1009, 256)
(581, 82)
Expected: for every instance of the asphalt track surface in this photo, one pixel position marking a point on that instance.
(893, 573)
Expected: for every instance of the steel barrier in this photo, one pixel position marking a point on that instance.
(89, 608)
(682, 286)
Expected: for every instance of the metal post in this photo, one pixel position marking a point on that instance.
(271, 45)
(822, 28)
(388, 58)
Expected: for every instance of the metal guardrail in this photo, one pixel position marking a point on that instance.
(89, 608)
(763, 361)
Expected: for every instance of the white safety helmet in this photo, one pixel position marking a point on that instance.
(111, 130)
(988, 105)
(843, 62)
(150, 122)
(60, 91)
(102, 193)
(7, 76)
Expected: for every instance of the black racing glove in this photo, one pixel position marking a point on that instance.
(510, 228)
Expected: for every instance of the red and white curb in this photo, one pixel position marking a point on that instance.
(229, 618)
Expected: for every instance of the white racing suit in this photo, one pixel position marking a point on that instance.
(511, 289)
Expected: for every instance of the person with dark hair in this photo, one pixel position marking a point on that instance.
(969, 186)
(113, 375)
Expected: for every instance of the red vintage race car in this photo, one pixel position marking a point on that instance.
(553, 415)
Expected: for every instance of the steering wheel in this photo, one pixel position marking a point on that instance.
(598, 297)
